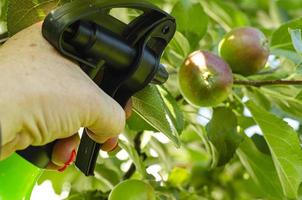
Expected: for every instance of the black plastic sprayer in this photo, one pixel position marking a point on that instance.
(122, 58)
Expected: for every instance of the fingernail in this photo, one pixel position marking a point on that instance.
(70, 161)
(72, 157)
(116, 146)
(63, 168)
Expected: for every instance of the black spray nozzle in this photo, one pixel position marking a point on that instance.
(97, 43)
(161, 76)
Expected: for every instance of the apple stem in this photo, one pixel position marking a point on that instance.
(267, 82)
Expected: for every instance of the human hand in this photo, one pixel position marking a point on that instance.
(45, 97)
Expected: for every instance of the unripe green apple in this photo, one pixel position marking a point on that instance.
(205, 79)
(132, 190)
(245, 49)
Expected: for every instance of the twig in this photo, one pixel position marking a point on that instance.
(267, 82)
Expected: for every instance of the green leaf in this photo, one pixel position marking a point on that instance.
(290, 4)
(245, 122)
(77, 180)
(286, 90)
(261, 169)
(296, 39)
(290, 105)
(177, 50)
(258, 97)
(136, 123)
(106, 175)
(192, 21)
(289, 54)
(172, 109)
(209, 146)
(84, 184)
(225, 14)
(299, 96)
(285, 148)
(281, 39)
(3, 16)
(151, 107)
(134, 157)
(189, 134)
(59, 179)
(22, 14)
(180, 44)
(285, 69)
(222, 132)
(3, 10)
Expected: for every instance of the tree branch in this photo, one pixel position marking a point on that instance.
(267, 82)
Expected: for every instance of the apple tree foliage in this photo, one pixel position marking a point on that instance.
(247, 147)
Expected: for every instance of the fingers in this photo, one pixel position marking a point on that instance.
(7, 149)
(21, 141)
(116, 123)
(64, 148)
(110, 144)
(64, 153)
(108, 119)
(96, 132)
(128, 108)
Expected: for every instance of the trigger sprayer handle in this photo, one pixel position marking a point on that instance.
(38, 155)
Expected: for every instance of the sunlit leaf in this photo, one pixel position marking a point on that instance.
(137, 123)
(177, 50)
(3, 16)
(150, 106)
(289, 54)
(22, 14)
(296, 39)
(281, 38)
(76, 180)
(172, 109)
(225, 14)
(257, 96)
(191, 20)
(59, 179)
(261, 169)
(290, 105)
(285, 148)
(285, 69)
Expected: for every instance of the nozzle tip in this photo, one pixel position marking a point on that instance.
(161, 75)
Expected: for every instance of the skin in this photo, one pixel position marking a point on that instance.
(205, 79)
(245, 49)
(45, 97)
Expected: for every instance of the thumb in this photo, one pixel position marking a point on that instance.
(107, 118)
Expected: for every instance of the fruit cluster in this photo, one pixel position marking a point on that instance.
(206, 79)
